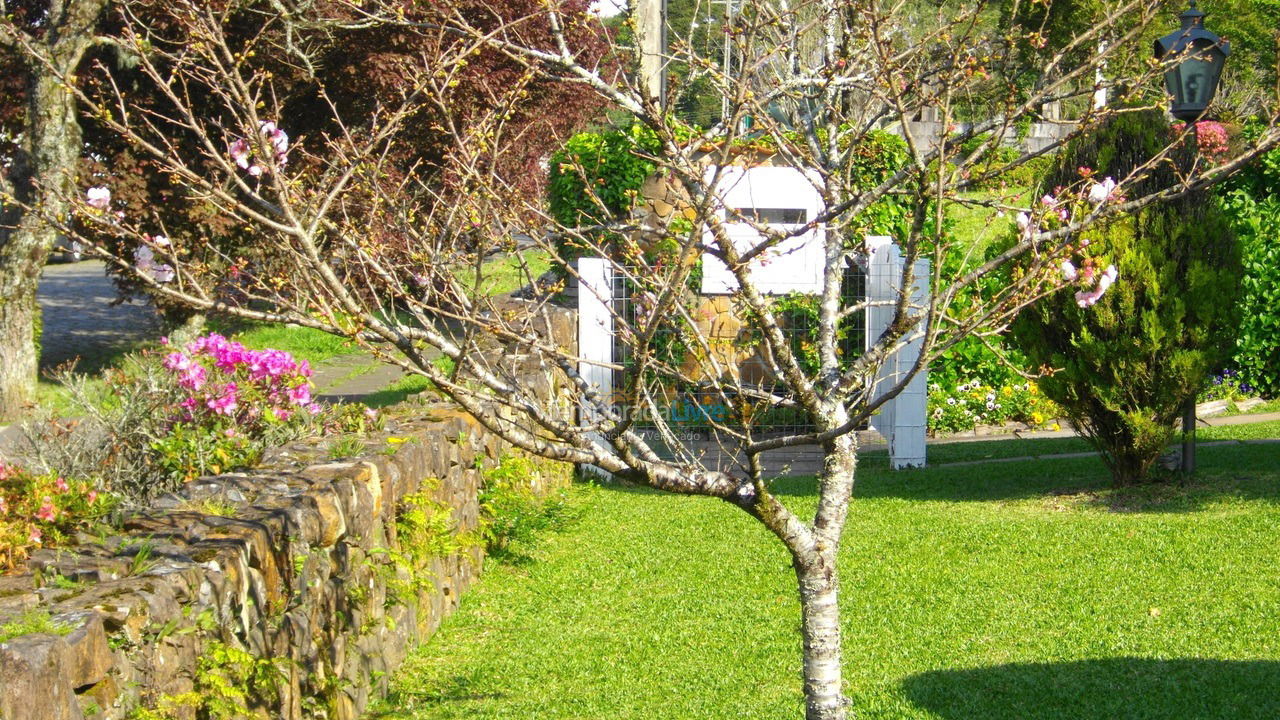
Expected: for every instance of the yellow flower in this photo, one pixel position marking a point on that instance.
(1055, 426)
(1033, 389)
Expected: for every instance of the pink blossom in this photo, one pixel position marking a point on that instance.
(1099, 192)
(160, 240)
(35, 536)
(239, 151)
(300, 395)
(4, 505)
(1086, 298)
(224, 404)
(92, 497)
(194, 378)
(98, 197)
(176, 361)
(313, 408)
(1069, 272)
(1023, 220)
(1049, 201)
(144, 259)
(61, 485)
(163, 273)
(47, 511)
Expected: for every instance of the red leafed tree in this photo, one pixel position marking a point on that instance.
(337, 57)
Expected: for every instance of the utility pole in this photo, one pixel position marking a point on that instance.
(651, 35)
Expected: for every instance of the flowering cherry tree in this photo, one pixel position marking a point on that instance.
(401, 266)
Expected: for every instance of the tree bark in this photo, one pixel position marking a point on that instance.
(820, 612)
(17, 352)
(43, 181)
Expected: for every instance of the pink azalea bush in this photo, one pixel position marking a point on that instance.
(227, 402)
(1212, 138)
(43, 510)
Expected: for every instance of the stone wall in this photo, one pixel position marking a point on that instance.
(292, 577)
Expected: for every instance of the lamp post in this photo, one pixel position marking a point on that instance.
(1195, 58)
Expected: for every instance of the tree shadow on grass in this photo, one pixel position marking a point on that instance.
(456, 694)
(1124, 688)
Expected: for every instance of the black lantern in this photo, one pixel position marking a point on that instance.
(1198, 56)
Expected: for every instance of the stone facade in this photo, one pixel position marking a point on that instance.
(298, 564)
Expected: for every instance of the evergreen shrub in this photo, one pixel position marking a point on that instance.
(1126, 366)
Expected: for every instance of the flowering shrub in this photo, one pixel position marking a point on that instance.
(42, 510)
(162, 418)
(1212, 138)
(1226, 385)
(225, 400)
(969, 404)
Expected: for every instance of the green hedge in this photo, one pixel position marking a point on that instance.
(1253, 204)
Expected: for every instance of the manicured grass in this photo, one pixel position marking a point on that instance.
(397, 391)
(508, 273)
(1003, 591)
(301, 342)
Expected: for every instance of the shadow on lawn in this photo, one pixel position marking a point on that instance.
(1104, 689)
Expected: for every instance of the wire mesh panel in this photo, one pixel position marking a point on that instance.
(687, 405)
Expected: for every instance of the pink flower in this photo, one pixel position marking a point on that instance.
(1086, 298)
(4, 506)
(47, 511)
(160, 240)
(300, 395)
(224, 404)
(144, 259)
(98, 197)
(163, 273)
(1069, 272)
(35, 536)
(176, 361)
(1049, 201)
(313, 408)
(92, 497)
(1023, 220)
(1099, 192)
(239, 151)
(194, 378)
(61, 485)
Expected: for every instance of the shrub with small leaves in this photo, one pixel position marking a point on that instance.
(43, 510)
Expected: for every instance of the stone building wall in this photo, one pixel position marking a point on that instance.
(292, 576)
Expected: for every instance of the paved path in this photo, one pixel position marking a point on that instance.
(79, 319)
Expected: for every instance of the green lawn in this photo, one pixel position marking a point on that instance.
(1004, 590)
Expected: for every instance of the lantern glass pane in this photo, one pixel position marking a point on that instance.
(1197, 81)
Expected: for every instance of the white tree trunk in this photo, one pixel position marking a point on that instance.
(819, 592)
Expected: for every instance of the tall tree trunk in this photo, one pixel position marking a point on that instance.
(820, 612)
(42, 179)
(17, 350)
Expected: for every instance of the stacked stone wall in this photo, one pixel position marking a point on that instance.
(290, 582)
